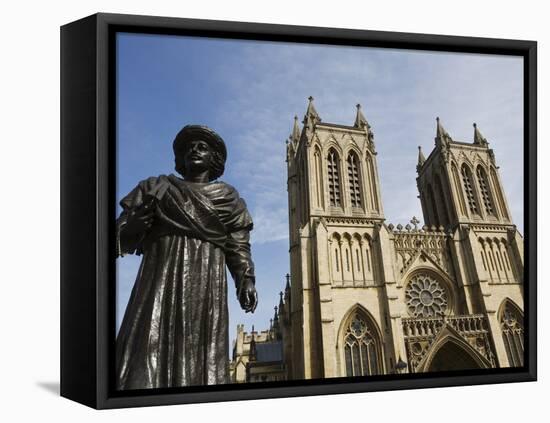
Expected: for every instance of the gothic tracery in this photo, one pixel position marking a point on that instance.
(361, 347)
(333, 178)
(353, 180)
(485, 193)
(511, 323)
(469, 189)
(426, 297)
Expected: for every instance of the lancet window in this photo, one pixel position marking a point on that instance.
(511, 323)
(333, 179)
(353, 179)
(484, 190)
(469, 189)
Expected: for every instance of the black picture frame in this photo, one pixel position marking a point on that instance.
(88, 152)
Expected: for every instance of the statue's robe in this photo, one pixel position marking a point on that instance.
(175, 328)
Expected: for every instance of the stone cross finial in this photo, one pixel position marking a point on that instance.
(415, 222)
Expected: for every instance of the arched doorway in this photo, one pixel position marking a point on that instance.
(453, 357)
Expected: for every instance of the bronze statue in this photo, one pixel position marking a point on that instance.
(175, 328)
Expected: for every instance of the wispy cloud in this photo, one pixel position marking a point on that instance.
(402, 93)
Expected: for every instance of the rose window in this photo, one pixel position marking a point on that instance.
(425, 297)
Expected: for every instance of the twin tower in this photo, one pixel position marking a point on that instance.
(369, 298)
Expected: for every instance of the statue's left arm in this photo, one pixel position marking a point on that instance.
(237, 247)
(239, 261)
(232, 211)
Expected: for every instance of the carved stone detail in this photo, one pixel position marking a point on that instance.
(425, 297)
(410, 245)
(420, 335)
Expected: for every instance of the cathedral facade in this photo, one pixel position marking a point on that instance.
(366, 297)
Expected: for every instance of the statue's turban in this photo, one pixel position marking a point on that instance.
(199, 132)
(203, 133)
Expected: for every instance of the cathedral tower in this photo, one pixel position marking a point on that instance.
(459, 183)
(461, 192)
(335, 212)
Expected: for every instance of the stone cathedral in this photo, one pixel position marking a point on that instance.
(365, 297)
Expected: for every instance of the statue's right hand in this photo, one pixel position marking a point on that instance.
(140, 219)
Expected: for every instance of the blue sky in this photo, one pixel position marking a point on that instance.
(249, 92)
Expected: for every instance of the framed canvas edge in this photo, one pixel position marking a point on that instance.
(78, 308)
(105, 169)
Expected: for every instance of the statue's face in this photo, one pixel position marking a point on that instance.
(198, 156)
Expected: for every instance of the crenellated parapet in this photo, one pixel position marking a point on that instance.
(413, 243)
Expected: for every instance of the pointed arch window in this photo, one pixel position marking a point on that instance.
(511, 323)
(456, 180)
(318, 178)
(371, 184)
(333, 178)
(442, 200)
(337, 268)
(361, 347)
(353, 178)
(433, 205)
(469, 189)
(484, 190)
(304, 205)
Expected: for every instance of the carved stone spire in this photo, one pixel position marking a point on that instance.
(287, 290)
(421, 159)
(441, 136)
(478, 138)
(292, 141)
(295, 136)
(276, 327)
(290, 150)
(252, 352)
(362, 123)
(311, 116)
(360, 120)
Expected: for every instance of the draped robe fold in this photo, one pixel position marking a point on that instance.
(175, 327)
